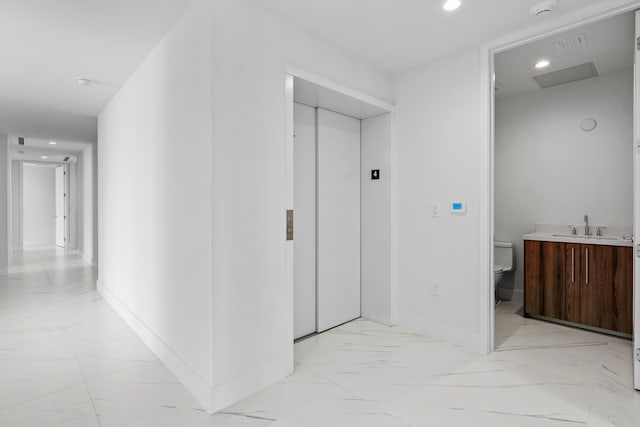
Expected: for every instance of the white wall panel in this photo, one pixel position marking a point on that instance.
(376, 219)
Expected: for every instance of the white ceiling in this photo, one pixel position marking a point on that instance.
(34, 149)
(610, 46)
(396, 35)
(46, 44)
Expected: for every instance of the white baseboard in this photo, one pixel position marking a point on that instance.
(197, 386)
(212, 399)
(37, 245)
(88, 259)
(251, 382)
(443, 332)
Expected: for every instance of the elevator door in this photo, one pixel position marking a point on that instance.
(338, 219)
(304, 221)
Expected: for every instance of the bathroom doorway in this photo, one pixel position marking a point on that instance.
(340, 173)
(60, 217)
(564, 182)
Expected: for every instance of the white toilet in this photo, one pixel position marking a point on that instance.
(503, 259)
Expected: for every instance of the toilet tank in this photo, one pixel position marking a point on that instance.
(503, 255)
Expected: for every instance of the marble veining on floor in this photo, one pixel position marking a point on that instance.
(67, 359)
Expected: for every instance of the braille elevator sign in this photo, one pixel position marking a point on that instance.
(375, 174)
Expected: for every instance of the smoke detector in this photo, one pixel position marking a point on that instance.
(543, 8)
(83, 81)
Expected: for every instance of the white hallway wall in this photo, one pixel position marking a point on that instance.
(438, 121)
(88, 204)
(4, 201)
(200, 262)
(547, 170)
(155, 202)
(39, 205)
(16, 236)
(378, 297)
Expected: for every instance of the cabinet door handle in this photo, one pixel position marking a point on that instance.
(573, 265)
(587, 272)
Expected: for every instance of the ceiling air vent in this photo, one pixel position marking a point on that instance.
(567, 75)
(571, 42)
(20, 140)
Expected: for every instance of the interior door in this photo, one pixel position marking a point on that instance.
(636, 210)
(60, 207)
(304, 221)
(338, 210)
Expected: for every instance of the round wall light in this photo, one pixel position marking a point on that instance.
(587, 125)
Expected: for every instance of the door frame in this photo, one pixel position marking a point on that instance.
(290, 72)
(71, 202)
(598, 12)
(61, 168)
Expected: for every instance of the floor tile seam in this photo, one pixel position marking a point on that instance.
(293, 410)
(33, 399)
(84, 379)
(44, 269)
(375, 404)
(116, 372)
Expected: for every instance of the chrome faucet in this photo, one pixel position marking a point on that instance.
(586, 225)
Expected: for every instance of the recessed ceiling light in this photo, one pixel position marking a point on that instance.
(82, 81)
(43, 157)
(543, 63)
(450, 5)
(52, 143)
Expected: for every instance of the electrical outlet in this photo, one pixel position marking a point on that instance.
(435, 289)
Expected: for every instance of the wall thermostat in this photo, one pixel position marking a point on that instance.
(458, 207)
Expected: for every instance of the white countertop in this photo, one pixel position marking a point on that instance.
(611, 235)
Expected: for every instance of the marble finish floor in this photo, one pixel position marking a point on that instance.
(67, 359)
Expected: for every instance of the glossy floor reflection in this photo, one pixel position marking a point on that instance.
(67, 359)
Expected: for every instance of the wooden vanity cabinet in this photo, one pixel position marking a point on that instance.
(580, 283)
(574, 268)
(544, 278)
(607, 297)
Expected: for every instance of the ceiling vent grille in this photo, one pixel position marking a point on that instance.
(567, 75)
(20, 140)
(571, 42)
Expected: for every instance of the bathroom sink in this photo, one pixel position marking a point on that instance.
(575, 236)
